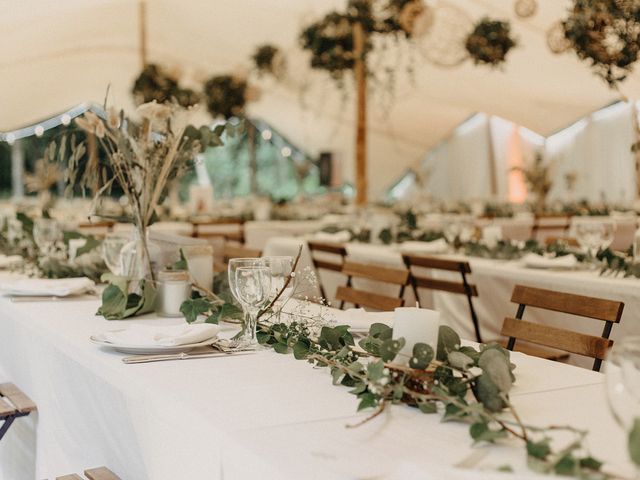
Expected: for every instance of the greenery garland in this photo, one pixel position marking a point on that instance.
(606, 34)
(489, 42)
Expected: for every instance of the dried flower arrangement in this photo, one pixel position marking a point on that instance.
(489, 42)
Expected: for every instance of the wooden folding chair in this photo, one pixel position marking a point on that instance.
(234, 251)
(560, 223)
(235, 236)
(363, 298)
(101, 473)
(13, 404)
(462, 287)
(335, 249)
(608, 311)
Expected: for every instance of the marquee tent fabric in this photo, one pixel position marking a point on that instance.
(59, 54)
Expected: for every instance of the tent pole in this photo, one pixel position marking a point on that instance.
(360, 71)
(142, 18)
(17, 169)
(492, 162)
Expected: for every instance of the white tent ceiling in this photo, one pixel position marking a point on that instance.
(58, 53)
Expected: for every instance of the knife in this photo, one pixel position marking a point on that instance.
(181, 356)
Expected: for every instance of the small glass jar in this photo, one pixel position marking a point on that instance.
(173, 288)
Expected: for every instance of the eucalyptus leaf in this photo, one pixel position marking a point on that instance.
(634, 442)
(422, 356)
(494, 364)
(390, 348)
(448, 341)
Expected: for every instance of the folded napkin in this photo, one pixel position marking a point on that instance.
(54, 287)
(165, 336)
(538, 261)
(7, 261)
(360, 319)
(342, 236)
(436, 246)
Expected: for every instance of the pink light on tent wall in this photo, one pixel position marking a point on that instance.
(516, 188)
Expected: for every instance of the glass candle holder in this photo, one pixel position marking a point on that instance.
(173, 288)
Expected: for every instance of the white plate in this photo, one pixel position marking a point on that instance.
(150, 349)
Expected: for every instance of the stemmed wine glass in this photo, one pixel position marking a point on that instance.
(252, 288)
(594, 234)
(46, 232)
(112, 252)
(623, 382)
(234, 265)
(281, 272)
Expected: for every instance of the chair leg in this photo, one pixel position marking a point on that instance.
(5, 426)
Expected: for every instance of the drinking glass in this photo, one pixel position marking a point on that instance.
(281, 270)
(459, 227)
(623, 381)
(252, 288)
(593, 234)
(112, 252)
(46, 233)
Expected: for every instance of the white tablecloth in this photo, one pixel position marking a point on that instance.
(263, 416)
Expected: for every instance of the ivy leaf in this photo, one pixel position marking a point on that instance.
(390, 348)
(181, 264)
(448, 341)
(114, 303)
(496, 365)
(459, 360)
(193, 307)
(281, 348)
(301, 348)
(381, 331)
(590, 463)
(481, 432)
(375, 370)
(488, 393)
(367, 400)
(422, 356)
(539, 449)
(386, 236)
(428, 407)
(566, 465)
(634, 442)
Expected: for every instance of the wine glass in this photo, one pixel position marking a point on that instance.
(252, 288)
(623, 382)
(46, 233)
(282, 274)
(112, 252)
(236, 263)
(459, 227)
(593, 234)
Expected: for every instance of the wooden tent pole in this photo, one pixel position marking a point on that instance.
(142, 18)
(360, 71)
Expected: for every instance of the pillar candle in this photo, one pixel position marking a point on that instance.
(200, 261)
(173, 289)
(415, 325)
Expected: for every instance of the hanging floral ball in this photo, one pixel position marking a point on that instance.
(225, 96)
(489, 42)
(268, 59)
(154, 83)
(606, 34)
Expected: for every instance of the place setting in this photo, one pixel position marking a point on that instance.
(373, 239)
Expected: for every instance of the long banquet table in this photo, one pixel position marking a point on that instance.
(263, 415)
(495, 280)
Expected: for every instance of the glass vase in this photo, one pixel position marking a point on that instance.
(139, 258)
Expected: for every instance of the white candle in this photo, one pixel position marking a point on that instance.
(415, 325)
(173, 289)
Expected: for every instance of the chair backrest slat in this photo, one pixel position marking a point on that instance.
(437, 263)
(395, 276)
(6, 409)
(336, 248)
(22, 403)
(570, 241)
(368, 299)
(596, 308)
(574, 342)
(445, 286)
(102, 473)
(325, 265)
(73, 476)
(236, 251)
